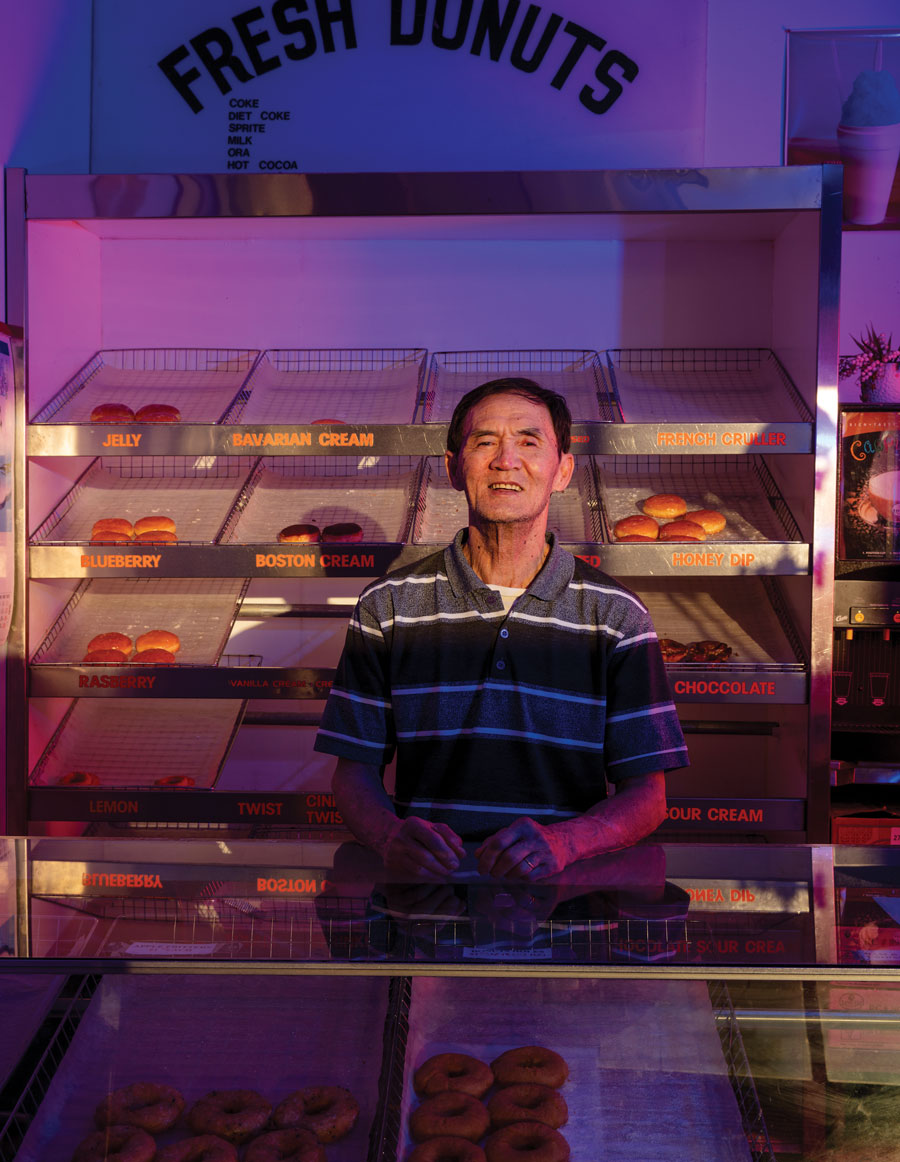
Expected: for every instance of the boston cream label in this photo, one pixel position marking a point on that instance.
(302, 439)
(667, 439)
(312, 560)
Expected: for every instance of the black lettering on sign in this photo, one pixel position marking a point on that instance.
(491, 27)
(217, 62)
(414, 36)
(343, 15)
(182, 81)
(518, 57)
(588, 96)
(582, 38)
(250, 40)
(295, 52)
(440, 37)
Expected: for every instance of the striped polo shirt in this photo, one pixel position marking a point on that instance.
(497, 714)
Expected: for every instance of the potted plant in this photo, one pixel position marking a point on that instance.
(876, 365)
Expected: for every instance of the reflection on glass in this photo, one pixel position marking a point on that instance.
(878, 688)
(840, 683)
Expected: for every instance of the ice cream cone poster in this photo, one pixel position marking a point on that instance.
(843, 106)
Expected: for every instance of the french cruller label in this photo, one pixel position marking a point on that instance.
(678, 439)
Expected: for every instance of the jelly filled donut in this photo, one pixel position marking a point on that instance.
(107, 657)
(157, 413)
(116, 1144)
(533, 1063)
(456, 1071)
(328, 1111)
(204, 1148)
(532, 1141)
(110, 641)
(286, 1146)
(528, 1102)
(447, 1149)
(449, 1114)
(174, 781)
(151, 1107)
(233, 1114)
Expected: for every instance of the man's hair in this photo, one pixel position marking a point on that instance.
(551, 400)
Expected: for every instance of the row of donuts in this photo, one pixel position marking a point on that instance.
(519, 1120)
(128, 1119)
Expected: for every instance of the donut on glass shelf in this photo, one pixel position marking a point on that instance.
(534, 1063)
(111, 641)
(116, 1144)
(665, 505)
(328, 1111)
(203, 1148)
(151, 1107)
(447, 1149)
(79, 779)
(105, 657)
(285, 1146)
(527, 1140)
(348, 531)
(113, 524)
(112, 413)
(671, 650)
(157, 413)
(644, 527)
(709, 519)
(681, 530)
(300, 534)
(174, 781)
(449, 1114)
(528, 1102)
(156, 537)
(153, 657)
(159, 639)
(152, 524)
(453, 1071)
(233, 1114)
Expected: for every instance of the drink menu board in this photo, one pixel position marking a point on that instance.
(869, 520)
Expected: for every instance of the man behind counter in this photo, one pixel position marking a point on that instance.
(514, 681)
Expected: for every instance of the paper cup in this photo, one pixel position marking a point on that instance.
(869, 154)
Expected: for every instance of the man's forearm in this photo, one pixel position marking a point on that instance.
(636, 810)
(364, 804)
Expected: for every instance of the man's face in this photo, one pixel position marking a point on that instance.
(508, 464)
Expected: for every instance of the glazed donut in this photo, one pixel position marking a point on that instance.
(530, 1063)
(528, 1102)
(150, 1107)
(79, 779)
(233, 1114)
(107, 657)
(449, 1114)
(345, 531)
(532, 1141)
(642, 526)
(116, 1144)
(681, 530)
(175, 781)
(112, 524)
(156, 537)
(152, 524)
(286, 1146)
(111, 641)
(456, 1071)
(153, 658)
(112, 413)
(299, 534)
(447, 1149)
(159, 639)
(665, 505)
(107, 537)
(671, 650)
(157, 413)
(709, 519)
(328, 1111)
(205, 1148)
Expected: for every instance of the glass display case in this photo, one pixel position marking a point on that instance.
(729, 1002)
(313, 332)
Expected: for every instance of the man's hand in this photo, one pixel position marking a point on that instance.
(524, 850)
(419, 848)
